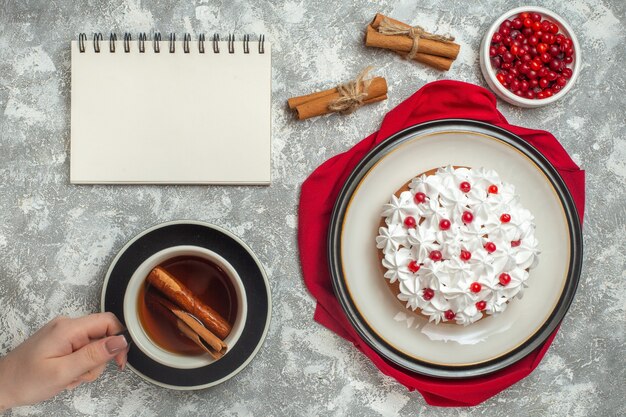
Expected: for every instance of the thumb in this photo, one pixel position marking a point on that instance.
(95, 354)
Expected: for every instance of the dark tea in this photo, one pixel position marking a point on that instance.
(207, 281)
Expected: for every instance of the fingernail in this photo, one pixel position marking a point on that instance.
(115, 344)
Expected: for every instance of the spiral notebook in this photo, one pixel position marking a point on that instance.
(152, 111)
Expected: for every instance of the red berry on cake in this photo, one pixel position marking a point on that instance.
(493, 189)
(428, 293)
(504, 278)
(449, 315)
(481, 305)
(516, 243)
(505, 218)
(465, 255)
(467, 217)
(414, 266)
(410, 222)
(465, 187)
(420, 197)
(435, 255)
(490, 247)
(475, 287)
(445, 224)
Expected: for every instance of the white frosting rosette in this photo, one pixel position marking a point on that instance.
(460, 244)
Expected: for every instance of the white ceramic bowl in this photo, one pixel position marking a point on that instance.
(490, 74)
(139, 335)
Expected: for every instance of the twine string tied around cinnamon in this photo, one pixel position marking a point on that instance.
(351, 94)
(387, 27)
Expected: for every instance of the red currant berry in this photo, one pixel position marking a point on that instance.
(515, 50)
(535, 65)
(475, 287)
(555, 65)
(496, 61)
(533, 40)
(536, 17)
(493, 51)
(527, 31)
(449, 315)
(493, 189)
(428, 293)
(516, 243)
(420, 197)
(467, 217)
(444, 224)
(481, 305)
(541, 94)
(545, 57)
(542, 47)
(517, 23)
(536, 26)
(508, 57)
(465, 255)
(465, 186)
(524, 15)
(504, 31)
(568, 60)
(553, 50)
(530, 94)
(490, 247)
(504, 278)
(414, 266)
(505, 218)
(410, 222)
(435, 255)
(524, 86)
(549, 92)
(551, 76)
(496, 38)
(544, 82)
(545, 25)
(567, 73)
(554, 29)
(527, 22)
(561, 81)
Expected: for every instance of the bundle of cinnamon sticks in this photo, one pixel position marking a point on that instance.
(344, 98)
(434, 50)
(196, 320)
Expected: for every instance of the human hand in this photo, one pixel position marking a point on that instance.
(61, 355)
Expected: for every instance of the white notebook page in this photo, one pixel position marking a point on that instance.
(178, 118)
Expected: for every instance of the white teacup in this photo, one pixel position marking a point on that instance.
(135, 328)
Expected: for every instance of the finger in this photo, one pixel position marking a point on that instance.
(92, 374)
(73, 385)
(97, 325)
(92, 356)
(122, 358)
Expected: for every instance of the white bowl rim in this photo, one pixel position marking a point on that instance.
(526, 102)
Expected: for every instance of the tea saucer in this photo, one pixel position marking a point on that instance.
(243, 260)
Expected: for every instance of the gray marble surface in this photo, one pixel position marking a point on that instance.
(57, 240)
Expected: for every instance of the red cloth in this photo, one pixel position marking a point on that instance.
(437, 100)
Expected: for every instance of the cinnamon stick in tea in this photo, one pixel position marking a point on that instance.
(405, 43)
(437, 62)
(180, 295)
(188, 325)
(316, 104)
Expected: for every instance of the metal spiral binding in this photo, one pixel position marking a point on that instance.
(112, 40)
(142, 42)
(97, 37)
(172, 43)
(231, 43)
(201, 43)
(127, 39)
(81, 42)
(156, 42)
(186, 40)
(216, 45)
(246, 44)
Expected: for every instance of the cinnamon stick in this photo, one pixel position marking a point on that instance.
(438, 62)
(180, 295)
(405, 43)
(316, 104)
(188, 325)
